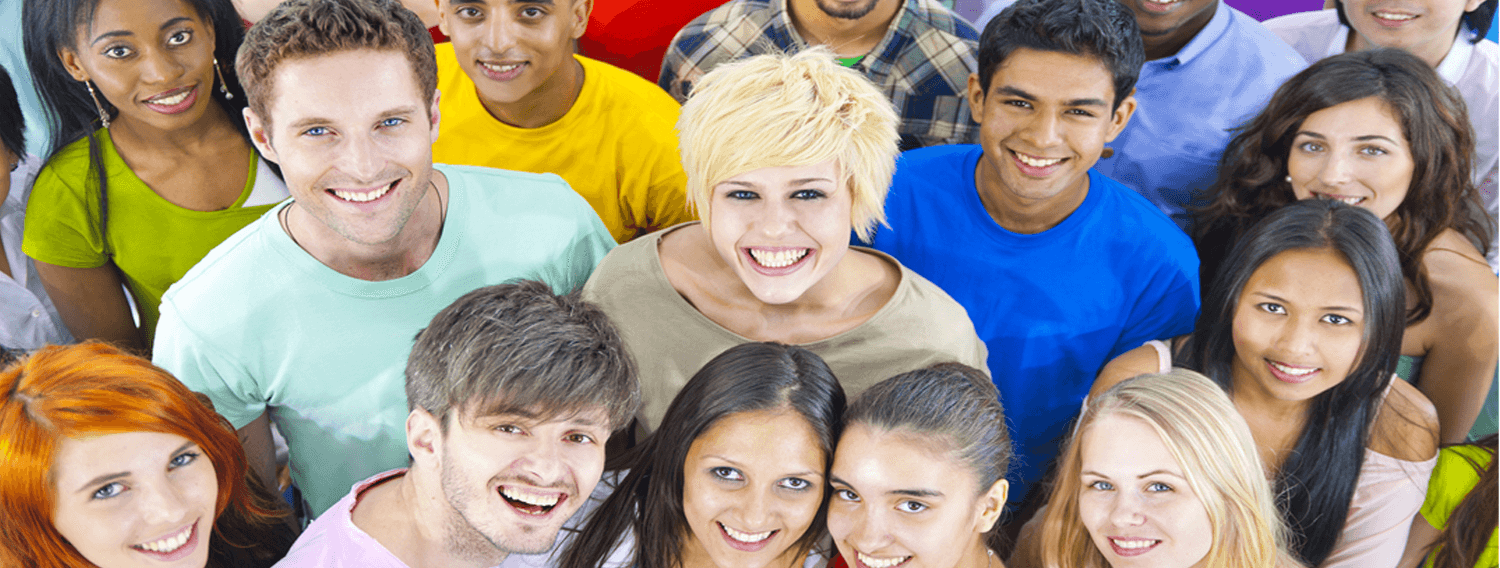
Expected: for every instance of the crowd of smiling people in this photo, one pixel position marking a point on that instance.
(319, 292)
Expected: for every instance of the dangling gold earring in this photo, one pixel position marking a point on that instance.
(103, 116)
(223, 85)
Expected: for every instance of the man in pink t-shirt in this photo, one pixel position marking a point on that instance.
(513, 393)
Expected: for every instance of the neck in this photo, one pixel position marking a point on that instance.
(1168, 44)
(1251, 399)
(1431, 52)
(844, 36)
(546, 104)
(398, 257)
(211, 128)
(1018, 214)
(439, 536)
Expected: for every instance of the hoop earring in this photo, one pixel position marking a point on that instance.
(103, 116)
(223, 85)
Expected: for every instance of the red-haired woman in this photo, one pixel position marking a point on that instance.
(107, 460)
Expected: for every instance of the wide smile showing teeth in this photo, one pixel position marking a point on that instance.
(362, 196)
(778, 258)
(874, 562)
(170, 100)
(1351, 200)
(1133, 543)
(168, 544)
(531, 503)
(1395, 17)
(747, 538)
(501, 69)
(1035, 162)
(1293, 371)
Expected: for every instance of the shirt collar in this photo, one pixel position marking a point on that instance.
(1451, 69)
(1205, 38)
(909, 9)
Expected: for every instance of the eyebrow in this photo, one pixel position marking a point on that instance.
(1276, 298)
(1015, 92)
(906, 492)
(320, 121)
(125, 33)
(1365, 138)
(113, 476)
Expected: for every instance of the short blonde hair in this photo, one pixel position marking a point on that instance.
(790, 110)
(1205, 433)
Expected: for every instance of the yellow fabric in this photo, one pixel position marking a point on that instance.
(617, 146)
(1450, 483)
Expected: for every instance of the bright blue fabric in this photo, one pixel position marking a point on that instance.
(1052, 307)
(1189, 102)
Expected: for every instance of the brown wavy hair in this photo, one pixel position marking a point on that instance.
(1473, 522)
(1252, 173)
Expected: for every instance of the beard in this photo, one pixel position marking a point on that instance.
(854, 12)
(476, 534)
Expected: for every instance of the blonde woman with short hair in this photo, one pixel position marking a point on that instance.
(785, 156)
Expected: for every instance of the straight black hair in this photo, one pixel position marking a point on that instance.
(1102, 29)
(745, 378)
(1316, 483)
(12, 122)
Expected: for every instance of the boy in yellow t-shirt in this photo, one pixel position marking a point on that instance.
(514, 96)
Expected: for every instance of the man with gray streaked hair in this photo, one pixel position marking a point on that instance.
(513, 393)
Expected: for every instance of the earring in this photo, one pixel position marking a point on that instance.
(223, 85)
(1289, 178)
(103, 116)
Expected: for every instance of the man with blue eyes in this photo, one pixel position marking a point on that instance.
(515, 96)
(513, 393)
(1060, 267)
(303, 319)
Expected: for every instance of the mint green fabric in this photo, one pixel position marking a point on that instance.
(262, 326)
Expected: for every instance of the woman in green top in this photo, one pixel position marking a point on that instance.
(1457, 526)
(152, 167)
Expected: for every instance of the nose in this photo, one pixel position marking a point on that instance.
(1296, 337)
(867, 530)
(361, 158)
(543, 462)
(755, 510)
(1336, 170)
(1043, 130)
(1125, 510)
(778, 219)
(501, 35)
(161, 503)
(157, 66)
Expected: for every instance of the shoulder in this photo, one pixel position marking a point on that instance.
(637, 105)
(485, 185)
(1406, 425)
(222, 272)
(1138, 221)
(1460, 278)
(918, 296)
(738, 13)
(628, 273)
(70, 163)
(1309, 33)
(922, 164)
(1281, 59)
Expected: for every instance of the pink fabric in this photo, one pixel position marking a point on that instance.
(333, 541)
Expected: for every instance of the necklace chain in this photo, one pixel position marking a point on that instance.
(286, 214)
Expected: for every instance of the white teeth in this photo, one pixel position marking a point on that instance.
(172, 100)
(501, 68)
(547, 500)
(1037, 162)
(1348, 200)
(1133, 543)
(361, 196)
(778, 259)
(747, 538)
(170, 543)
(874, 562)
(1394, 17)
(1291, 370)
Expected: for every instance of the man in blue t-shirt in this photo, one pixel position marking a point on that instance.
(1060, 268)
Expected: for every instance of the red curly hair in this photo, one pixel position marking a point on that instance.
(87, 390)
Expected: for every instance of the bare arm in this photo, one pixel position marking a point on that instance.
(92, 303)
(1460, 340)
(260, 452)
(1417, 544)
(1138, 361)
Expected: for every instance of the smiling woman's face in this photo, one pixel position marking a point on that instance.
(752, 484)
(135, 499)
(1353, 152)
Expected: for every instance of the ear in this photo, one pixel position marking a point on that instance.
(1121, 117)
(72, 64)
(991, 504)
(437, 96)
(442, 17)
(580, 12)
(260, 136)
(976, 98)
(1472, 5)
(424, 434)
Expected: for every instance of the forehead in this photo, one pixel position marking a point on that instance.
(1333, 281)
(1122, 445)
(895, 459)
(80, 459)
(1369, 115)
(779, 439)
(139, 16)
(1054, 75)
(486, 413)
(827, 170)
(353, 86)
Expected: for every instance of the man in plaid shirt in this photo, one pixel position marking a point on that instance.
(916, 51)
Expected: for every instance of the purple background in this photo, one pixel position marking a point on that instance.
(1266, 9)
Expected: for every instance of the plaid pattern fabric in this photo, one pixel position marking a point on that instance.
(923, 62)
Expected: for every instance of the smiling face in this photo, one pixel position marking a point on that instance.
(1298, 325)
(1424, 27)
(1171, 21)
(781, 229)
(354, 139)
(752, 484)
(1135, 500)
(513, 480)
(847, 9)
(1354, 152)
(152, 59)
(897, 502)
(1043, 124)
(135, 499)
(514, 50)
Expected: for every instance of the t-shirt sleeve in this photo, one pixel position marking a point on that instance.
(588, 246)
(1452, 480)
(1166, 306)
(206, 369)
(1388, 495)
(665, 201)
(62, 225)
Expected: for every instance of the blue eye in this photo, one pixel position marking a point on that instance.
(183, 459)
(1158, 487)
(315, 131)
(392, 122)
(808, 194)
(109, 490)
(742, 194)
(1310, 147)
(1101, 486)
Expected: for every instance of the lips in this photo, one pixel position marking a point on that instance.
(173, 101)
(1392, 19)
(530, 502)
(1159, 6)
(1036, 166)
(173, 547)
(1294, 374)
(502, 71)
(1349, 199)
(867, 561)
(1127, 547)
(745, 541)
(777, 261)
(364, 195)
